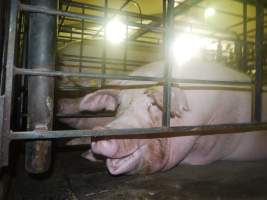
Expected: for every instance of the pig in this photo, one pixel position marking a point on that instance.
(71, 105)
(142, 108)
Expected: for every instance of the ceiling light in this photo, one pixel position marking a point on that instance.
(209, 12)
(116, 31)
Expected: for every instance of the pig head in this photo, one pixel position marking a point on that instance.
(137, 109)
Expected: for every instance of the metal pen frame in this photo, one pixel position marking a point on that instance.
(7, 135)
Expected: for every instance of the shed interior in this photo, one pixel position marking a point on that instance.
(215, 28)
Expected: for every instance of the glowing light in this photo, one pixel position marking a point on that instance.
(186, 46)
(116, 31)
(209, 12)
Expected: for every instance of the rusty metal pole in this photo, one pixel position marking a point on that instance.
(41, 56)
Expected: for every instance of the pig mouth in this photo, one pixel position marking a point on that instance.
(125, 164)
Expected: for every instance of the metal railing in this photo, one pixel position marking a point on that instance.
(7, 135)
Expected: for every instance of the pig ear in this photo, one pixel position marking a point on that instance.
(100, 100)
(178, 100)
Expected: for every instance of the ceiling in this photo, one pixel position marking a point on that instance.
(225, 24)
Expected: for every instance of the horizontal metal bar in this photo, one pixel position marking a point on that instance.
(98, 19)
(210, 82)
(112, 10)
(170, 132)
(123, 77)
(85, 115)
(115, 60)
(83, 74)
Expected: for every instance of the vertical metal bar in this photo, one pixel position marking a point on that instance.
(41, 55)
(82, 42)
(104, 52)
(259, 60)
(164, 8)
(61, 21)
(1, 30)
(245, 47)
(126, 47)
(168, 64)
(238, 53)
(4, 140)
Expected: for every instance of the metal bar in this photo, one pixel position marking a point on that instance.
(178, 10)
(4, 141)
(123, 5)
(104, 51)
(84, 74)
(249, 19)
(41, 56)
(245, 47)
(82, 42)
(167, 132)
(252, 2)
(100, 20)
(85, 115)
(2, 27)
(169, 22)
(151, 44)
(121, 77)
(125, 49)
(61, 21)
(69, 57)
(259, 60)
(93, 67)
(115, 11)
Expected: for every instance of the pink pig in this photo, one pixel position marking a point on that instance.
(142, 108)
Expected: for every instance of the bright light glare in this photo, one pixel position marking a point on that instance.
(116, 31)
(209, 12)
(186, 46)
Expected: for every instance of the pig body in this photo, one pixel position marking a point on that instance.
(93, 53)
(138, 108)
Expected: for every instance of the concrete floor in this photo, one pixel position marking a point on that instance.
(74, 178)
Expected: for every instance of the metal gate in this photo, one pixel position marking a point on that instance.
(42, 75)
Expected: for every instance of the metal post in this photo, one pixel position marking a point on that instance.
(1, 31)
(245, 47)
(125, 55)
(259, 60)
(7, 98)
(82, 42)
(168, 63)
(104, 52)
(41, 56)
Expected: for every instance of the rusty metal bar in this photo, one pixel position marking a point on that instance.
(41, 56)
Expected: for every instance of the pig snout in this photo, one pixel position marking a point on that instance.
(130, 156)
(105, 147)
